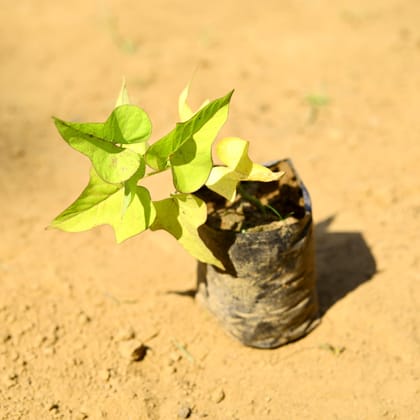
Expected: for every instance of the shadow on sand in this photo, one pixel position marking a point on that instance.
(343, 262)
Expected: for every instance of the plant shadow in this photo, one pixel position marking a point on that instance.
(343, 262)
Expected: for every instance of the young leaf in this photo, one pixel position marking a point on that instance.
(127, 124)
(223, 181)
(158, 155)
(233, 152)
(123, 98)
(113, 164)
(101, 203)
(192, 162)
(187, 148)
(184, 110)
(181, 215)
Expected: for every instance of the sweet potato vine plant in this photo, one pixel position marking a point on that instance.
(121, 158)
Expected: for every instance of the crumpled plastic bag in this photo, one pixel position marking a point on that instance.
(267, 295)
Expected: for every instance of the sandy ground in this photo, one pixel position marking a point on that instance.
(72, 304)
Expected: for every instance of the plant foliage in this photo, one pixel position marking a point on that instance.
(121, 157)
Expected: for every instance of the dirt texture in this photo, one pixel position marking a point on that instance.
(258, 206)
(94, 330)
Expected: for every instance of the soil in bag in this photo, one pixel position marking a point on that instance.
(267, 295)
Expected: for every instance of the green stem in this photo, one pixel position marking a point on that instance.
(257, 203)
(275, 211)
(253, 200)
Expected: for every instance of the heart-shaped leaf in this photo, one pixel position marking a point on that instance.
(127, 124)
(113, 163)
(233, 152)
(181, 215)
(192, 162)
(102, 203)
(187, 148)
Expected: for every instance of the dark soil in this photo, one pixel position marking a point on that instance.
(257, 204)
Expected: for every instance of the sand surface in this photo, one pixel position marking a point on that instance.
(73, 305)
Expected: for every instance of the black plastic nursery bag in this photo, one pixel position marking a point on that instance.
(267, 295)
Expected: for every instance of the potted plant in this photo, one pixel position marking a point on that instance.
(248, 225)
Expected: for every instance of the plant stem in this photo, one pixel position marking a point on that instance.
(257, 203)
(253, 200)
(275, 212)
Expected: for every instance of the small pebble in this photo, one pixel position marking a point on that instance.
(184, 412)
(218, 395)
(139, 353)
(170, 370)
(133, 350)
(10, 380)
(50, 338)
(39, 340)
(104, 374)
(54, 407)
(173, 358)
(83, 318)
